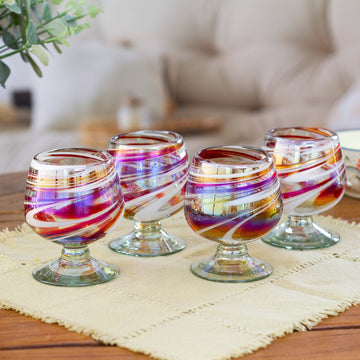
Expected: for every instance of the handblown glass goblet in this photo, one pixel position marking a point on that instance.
(153, 168)
(73, 198)
(311, 170)
(232, 197)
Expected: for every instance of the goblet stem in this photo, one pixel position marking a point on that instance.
(76, 267)
(301, 233)
(147, 239)
(74, 257)
(148, 229)
(231, 263)
(231, 252)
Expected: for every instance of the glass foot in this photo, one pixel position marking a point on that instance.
(232, 266)
(148, 239)
(76, 268)
(301, 233)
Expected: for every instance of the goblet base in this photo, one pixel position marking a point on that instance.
(147, 239)
(301, 233)
(231, 265)
(76, 268)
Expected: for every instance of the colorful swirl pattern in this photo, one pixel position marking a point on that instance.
(310, 167)
(233, 194)
(73, 196)
(153, 169)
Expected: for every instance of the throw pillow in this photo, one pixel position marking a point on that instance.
(91, 79)
(346, 112)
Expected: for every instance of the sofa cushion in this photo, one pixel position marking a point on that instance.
(345, 114)
(248, 53)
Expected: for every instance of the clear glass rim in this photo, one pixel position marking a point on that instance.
(97, 157)
(324, 134)
(264, 156)
(157, 139)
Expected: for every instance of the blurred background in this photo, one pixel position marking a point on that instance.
(216, 71)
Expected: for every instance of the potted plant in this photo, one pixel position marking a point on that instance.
(30, 28)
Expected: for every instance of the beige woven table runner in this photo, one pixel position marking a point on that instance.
(157, 307)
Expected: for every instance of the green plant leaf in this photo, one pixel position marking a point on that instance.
(57, 28)
(9, 2)
(63, 41)
(25, 59)
(16, 31)
(70, 20)
(15, 18)
(31, 34)
(4, 73)
(56, 2)
(40, 53)
(46, 12)
(13, 7)
(36, 13)
(34, 65)
(76, 7)
(94, 11)
(9, 39)
(57, 48)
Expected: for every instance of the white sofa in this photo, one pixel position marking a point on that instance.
(257, 64)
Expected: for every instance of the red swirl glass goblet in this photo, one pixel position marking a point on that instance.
(311, 170)
(73, 198)
(232, 197)
(153, 169)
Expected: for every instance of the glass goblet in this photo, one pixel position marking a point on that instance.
(153, 168)
(73, 197)
(232, 197)
(311, 170)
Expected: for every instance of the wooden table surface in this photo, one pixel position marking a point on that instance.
(26, 338)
